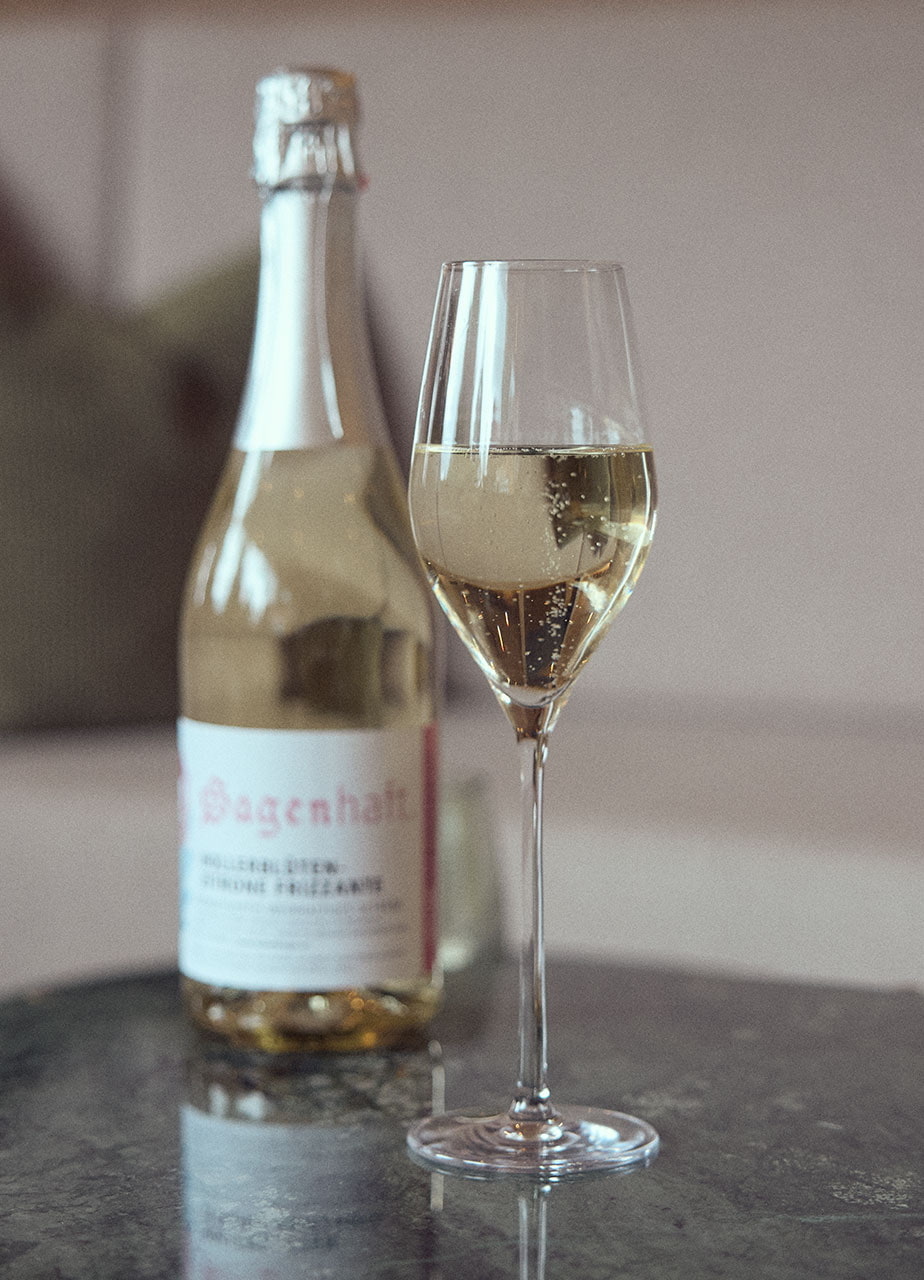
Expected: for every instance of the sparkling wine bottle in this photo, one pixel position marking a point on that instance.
(306, 734)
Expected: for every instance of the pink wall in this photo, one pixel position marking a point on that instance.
(758, 168)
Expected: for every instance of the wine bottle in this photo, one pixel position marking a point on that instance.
(306, 731)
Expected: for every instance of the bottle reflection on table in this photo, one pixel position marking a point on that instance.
(297, 1170)
(300, 1171)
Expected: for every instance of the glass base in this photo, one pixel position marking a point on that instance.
(576, 1140)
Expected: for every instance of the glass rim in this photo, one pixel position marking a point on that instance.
(536, 264)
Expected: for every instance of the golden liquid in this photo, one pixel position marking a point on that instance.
(305, 609)
(531, 554)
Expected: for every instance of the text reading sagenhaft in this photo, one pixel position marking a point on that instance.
(269, 815)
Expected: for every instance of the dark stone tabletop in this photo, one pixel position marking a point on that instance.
(791, 1118)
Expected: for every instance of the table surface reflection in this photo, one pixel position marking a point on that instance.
(791, 1118)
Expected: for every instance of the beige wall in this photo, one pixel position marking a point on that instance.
(758, 168)
(741, 763)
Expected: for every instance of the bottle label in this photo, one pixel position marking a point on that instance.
(307, 856)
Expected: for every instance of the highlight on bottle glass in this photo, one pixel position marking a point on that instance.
(532, 496)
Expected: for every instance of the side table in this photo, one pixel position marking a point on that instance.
(791, 1118)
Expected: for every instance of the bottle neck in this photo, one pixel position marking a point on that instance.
(311, 379)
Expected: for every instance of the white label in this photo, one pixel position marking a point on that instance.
(307, 858)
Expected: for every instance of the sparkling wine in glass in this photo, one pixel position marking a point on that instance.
(532, 499)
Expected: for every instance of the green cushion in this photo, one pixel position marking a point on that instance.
(113, 430)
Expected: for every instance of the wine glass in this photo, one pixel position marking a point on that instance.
(532, 498)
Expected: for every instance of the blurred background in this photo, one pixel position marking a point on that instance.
(738, 776)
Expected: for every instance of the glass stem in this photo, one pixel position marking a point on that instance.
(531, 1103)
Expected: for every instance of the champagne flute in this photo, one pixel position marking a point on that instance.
(532, 498)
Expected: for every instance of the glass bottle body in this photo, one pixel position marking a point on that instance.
(306, 614)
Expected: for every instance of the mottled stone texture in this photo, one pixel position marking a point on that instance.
(791, 1117)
